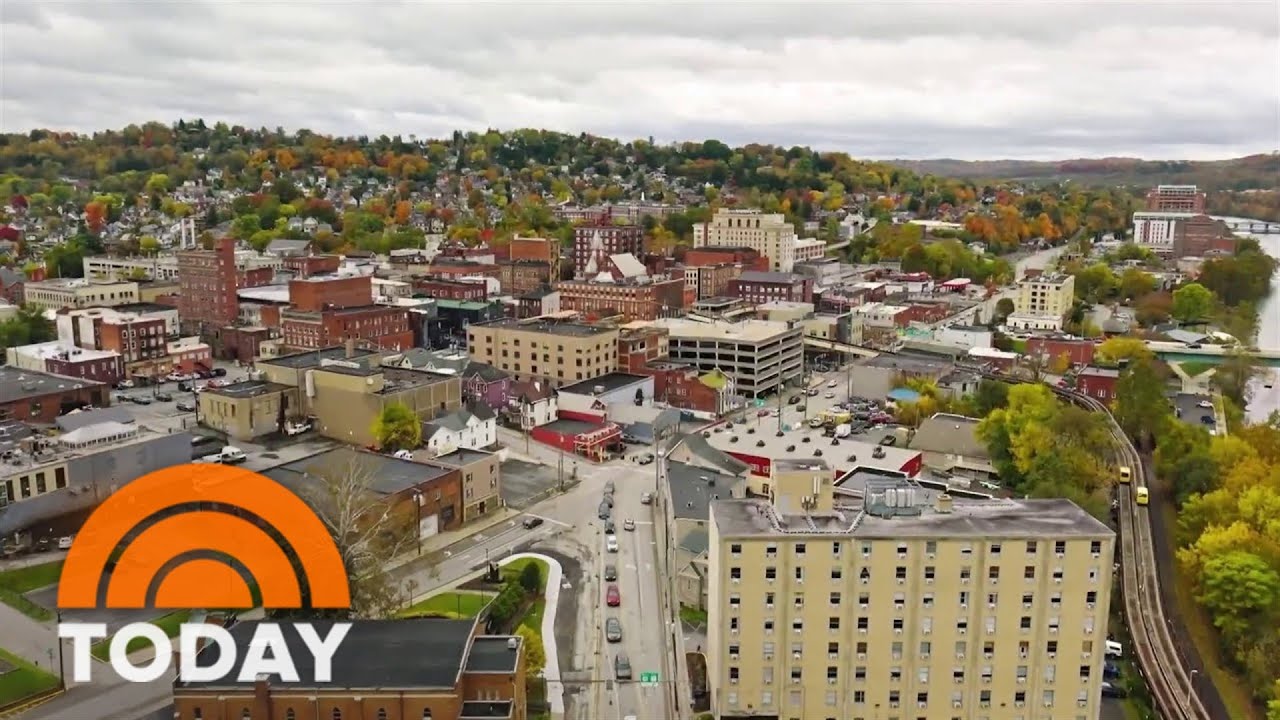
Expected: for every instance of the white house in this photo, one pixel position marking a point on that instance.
(473, 427)
(535, 403)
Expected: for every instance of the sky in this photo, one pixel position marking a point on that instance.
(1019, 79)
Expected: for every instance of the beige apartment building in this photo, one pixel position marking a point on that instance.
(888, 608)
(1043, 302)
(61, 293)
(767, 233)
(554, 350)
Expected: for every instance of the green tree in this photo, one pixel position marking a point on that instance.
(1118, 348)
(1095, 283)
(1235, 587)
(1135, 283)
(148, 245)
(531, 578)
(989, 396)
(1004, 308)
(1140, 406)
(397, 428)
(1192, 303)
(535, 656)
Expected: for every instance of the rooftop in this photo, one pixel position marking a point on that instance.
(247, 389)
(58, 349)
(312, 358)
(265, 293)
(16, 384)
(858, 449)
(950, 435)
(763, 276)
(463, 456)
(417, 653)
(76, 283)
(493, 654)
(693, 488)
(142, 308)
(989, 519)
(543, 325)
(386, 475)
(605, 383)
(753, 331)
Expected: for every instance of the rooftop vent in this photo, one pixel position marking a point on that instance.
(513, 643)
(944, 503)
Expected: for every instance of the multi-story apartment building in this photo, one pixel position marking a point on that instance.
(140, 340)
(1043, 302)
(558, 352)
(810, 249)
(523, 276)
(1156, 230)
(329, 310)
(1176, 198)
(895, 608)
(643, 299)
(599, 241)
(62, 358)
(764, 287)
(708, 281)
(208, 281)
(106, 267)
(759, 355)
(767, 233)
(59, 293)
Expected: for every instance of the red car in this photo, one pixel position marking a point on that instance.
(612, 596)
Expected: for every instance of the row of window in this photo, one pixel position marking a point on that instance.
(926, 625)
(859, 697)
(930, 547)
(835, 599)
(925, 649)
(23, 487)
(291, 714)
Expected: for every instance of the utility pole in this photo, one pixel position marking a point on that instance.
(561, 470)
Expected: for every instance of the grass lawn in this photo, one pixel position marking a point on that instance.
(23, 681)
(450, 604)
(15, 583)
(170, 623)
(1196, 367)
(693, 615)
(513, 569)
(533, 618)
(1234, 693)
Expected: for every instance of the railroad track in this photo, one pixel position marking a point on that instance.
(1158, 658)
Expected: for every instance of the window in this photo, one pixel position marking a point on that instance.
(382, 714)
(833, 622)
(735, 573)
(289, 714)
(1031, 546)
(426, 713)
(337, 714)
(770, 573)
(995, 548)
(1029, 572)
(800, 548)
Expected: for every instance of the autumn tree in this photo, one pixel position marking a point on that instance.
(1135, 283)
(402, 212)
(397, 428)
(535, 655)
(1140, 406)
(95, 216)
(1120, 348)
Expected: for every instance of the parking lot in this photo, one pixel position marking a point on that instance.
(1190, 408)
(524, 483)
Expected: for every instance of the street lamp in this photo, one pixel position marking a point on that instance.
(417, 529)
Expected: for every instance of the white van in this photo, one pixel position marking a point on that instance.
(1114, 649)
(844, 430)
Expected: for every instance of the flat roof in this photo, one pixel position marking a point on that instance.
(742, 331)
(901, 361)
(387, 475)
(143, 308)
(407, 653)
(550, 327)
(55, 348)
(979, 519)
(770, 276)
(248, 389)
(462, 456)
(312, 358)
(693, 488)
(842, 455)
(265, 293)
(608, 382)
(565, 426)
(492, 654)
(17, 384)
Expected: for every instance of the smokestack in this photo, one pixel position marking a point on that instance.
(351, 348)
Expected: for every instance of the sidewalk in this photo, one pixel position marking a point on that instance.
(443, 540)
(28, 639)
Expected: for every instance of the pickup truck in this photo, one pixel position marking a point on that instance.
(226, 456)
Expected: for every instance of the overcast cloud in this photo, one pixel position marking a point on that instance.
(888, 78)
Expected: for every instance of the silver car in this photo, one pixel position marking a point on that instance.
(613, 630)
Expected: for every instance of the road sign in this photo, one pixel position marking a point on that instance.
(649, 679)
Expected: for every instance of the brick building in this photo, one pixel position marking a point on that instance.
(639, 346)
(1098, 383)
(597, 241)
(632, 300)
(541, 250)
(62, 358)
(708, 281)
(140, 340)
(330, 292)
(407, 669)
(1199, 235)
(713, 255)
(36, 397)
(1048, 350)
(386, 327)
(521, 276)
(1175, 198)
(208, 281)
(453, 269)
(305, 266)
(450, 289)
(762, 287)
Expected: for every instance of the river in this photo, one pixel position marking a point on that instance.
(1263, 400)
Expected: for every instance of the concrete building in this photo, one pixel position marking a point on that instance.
(557, 351)
(759, 355)
(1043, 302)
(429, 668)
(58, 293)
(810, 249)
(64, 359)
(1156, 230)
(762, 287)
(824, 606)
(480, 476)
(38, 397)
(248, 410)
(601, 392)
(767, 233)
(106, 267)
(964, 336)
(1175, 198)
(150, 310)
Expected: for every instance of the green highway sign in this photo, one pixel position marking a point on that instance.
(649, 678)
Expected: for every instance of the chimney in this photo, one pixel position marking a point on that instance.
(262, 696)
(351, 348)
(944, 503)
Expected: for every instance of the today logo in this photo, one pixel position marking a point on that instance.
(203, 536)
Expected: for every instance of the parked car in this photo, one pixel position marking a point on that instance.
(613, 630)
(629, 525)
(793, 399)
(64, 542)
(611, 543)
(813, 392)
(611, 572)
(531, 522)
(832, 384)
(186, 406)
(164, 397)
(612, 596)
(645, 459)
(608, 527)
(141, 399)
(1112, 691)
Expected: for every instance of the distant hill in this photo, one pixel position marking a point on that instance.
(1246, 173)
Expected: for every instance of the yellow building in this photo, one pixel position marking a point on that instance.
(557, 351)
(767, 233)
(889, 608)
(58, 293)
(1043, 302)
(249, 409)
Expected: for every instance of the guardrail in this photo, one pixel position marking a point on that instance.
(1158, 658)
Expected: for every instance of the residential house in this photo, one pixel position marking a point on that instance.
(482, 382)
(950, 444)
(532, 403)
(473, 427)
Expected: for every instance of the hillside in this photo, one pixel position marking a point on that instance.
(1246, 173)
